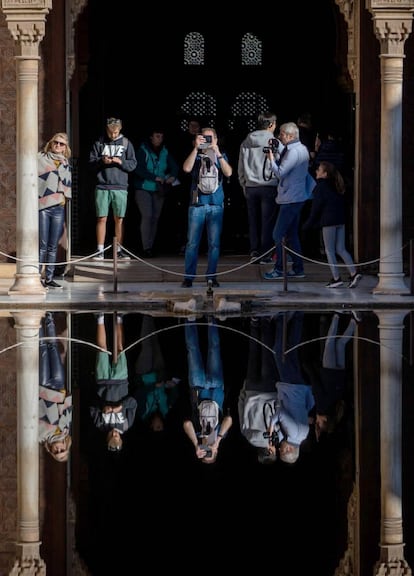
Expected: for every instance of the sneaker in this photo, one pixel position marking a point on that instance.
(213, 283)
(356, 316)
(148, 253)
(123, 255)
(334, 283)
(43, 282)
(273, 275)
(99, 256)
(354, 280)
(52, 284)
(186, 283)
(266, 260)
(292, 274)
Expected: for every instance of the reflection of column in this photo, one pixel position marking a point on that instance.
(28, 530)
(391, 539)
(392, 23)
(26, 22)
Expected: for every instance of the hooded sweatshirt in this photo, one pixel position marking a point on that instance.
(112, 176)
(253, 168)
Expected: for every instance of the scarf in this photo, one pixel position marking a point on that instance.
(54, 179)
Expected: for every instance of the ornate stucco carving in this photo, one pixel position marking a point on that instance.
(76, 8)
(392, 24)
(346, 8)
(26, 22)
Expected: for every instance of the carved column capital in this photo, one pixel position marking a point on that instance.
(26, 22)
(392, 24)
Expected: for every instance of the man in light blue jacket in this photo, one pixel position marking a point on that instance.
(290, 164)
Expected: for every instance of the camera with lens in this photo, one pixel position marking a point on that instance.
(273, 146)
(208, 140)
(274, 440)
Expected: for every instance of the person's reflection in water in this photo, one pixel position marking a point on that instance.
(295, 398)
(155, 392)
(329, 389)
(112, 409)
(55, 404)
(258, 397)
(210, 419)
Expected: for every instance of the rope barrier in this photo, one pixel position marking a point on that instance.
(201, 275)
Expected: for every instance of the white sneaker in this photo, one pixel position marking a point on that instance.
(354, 280)
(99, 256)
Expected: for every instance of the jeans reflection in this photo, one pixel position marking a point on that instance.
(330, 388)
(55, 404)
(291, 419)
(210, 418)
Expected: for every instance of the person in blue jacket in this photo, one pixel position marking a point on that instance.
(154, 175)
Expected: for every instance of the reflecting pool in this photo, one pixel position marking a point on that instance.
(279, 440)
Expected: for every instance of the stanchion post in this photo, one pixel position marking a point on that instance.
(115, 337)
(115, 257)
(284, 264)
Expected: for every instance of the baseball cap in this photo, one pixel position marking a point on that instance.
(113, 120)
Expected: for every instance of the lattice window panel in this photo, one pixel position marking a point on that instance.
(201, 105)
(194, 49)
(245, 109)
(251, 50)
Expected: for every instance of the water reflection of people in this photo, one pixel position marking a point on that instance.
(329, 389)
(291, 419)
(258, 396)
(210, 419)
(155, 391)
(113, 408)
(55, 404)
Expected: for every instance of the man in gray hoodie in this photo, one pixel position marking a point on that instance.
(259, 187)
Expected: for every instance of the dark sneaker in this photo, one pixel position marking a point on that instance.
(186, 283)
(334, 283)
(213, 282)
(292, 274)
(354, 280)
(254, 257)
(273, 275)
(52, 284)
(266, 260)
(123, 255)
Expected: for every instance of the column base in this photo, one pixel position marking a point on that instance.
(27, 285)
(391, 284)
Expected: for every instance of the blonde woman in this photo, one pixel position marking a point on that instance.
(54, 188)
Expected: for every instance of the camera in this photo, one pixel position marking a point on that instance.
(273, 146)
(274, 440)
(208, 140)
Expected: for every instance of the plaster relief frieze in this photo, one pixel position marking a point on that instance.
(405, 4)
(24, 4)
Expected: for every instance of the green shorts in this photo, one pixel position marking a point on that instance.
(107, 370)
(105, 198)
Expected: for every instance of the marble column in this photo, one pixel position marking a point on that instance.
(26, 22)
(391, 561)
(28, 560)
(392, 24)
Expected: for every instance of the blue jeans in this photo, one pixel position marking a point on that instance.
(334, 241)
(288, 365)
(51, 223)
(211, 217)
(287, 227)
(209, 379)
(51, 370)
